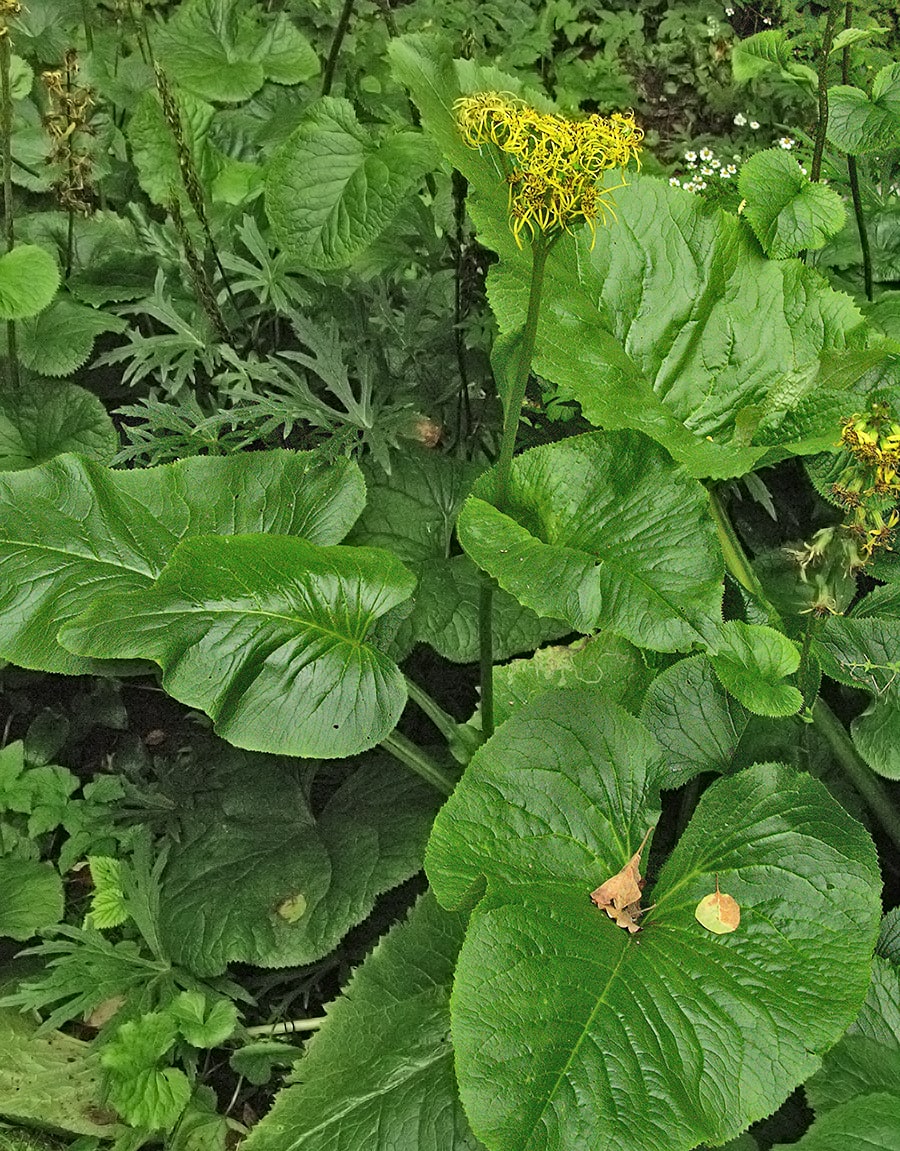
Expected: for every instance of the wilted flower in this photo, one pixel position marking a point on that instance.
(554, 164)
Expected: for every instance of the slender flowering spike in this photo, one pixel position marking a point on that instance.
(553, 165)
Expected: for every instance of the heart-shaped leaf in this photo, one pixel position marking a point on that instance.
(558, 800)
(71, 530)
(603, 530)
(269, 635)
(333, 186)
(307, 880)
(413, 513)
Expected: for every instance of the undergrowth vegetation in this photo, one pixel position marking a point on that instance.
(449, 606)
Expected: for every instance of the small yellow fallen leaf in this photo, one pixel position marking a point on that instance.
(292, 908)
(719, 913)
(620, 896)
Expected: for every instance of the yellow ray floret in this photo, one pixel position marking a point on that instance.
(553, 165)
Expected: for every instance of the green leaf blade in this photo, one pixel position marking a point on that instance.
(553, 804)
(268, 635)
(29, 278)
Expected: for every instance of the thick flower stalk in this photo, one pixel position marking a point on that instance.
(553, 166)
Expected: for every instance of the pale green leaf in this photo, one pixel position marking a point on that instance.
(333, 186)
(46, 418)
(116, 530)
(203, 1022)
(752, 663)
(760, 53)
(378, 1075)
(31, 897)
(255, 822)
(603, 659)
(555, 804)
(787, 211)
(604, 530)
(269, 635)
(29, 278)
(144, 1091)
(51, 1081)
(108, 906)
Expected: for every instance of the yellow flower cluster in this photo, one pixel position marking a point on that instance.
(552, 165)
(869, 487)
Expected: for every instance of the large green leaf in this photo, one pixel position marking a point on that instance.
(694, 719)
(72, 530)
(333, 186)
(858, 124)
(413, 513)
(691, 1035)
(29, 278)
(867, 1058)
(603, 530)
(787, 211)
(665, 309)
(45, 418)
(869, 1123)
(378, 1075)
(304, 881)
(270, 635)
(220, 50)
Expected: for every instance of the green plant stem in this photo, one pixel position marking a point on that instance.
(486, 654)
(339, 33)
(288, 1027)
(442, 720)
(8, 218)
(512, 406)
(822, 118)
(736, 558)
(512, 409)
(857, 770)
(416, 760)
(853, 174)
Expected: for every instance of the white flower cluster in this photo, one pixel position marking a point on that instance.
(702, 167)
(740, 119)
(787, 143)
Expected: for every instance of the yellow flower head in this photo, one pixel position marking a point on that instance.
(553, 165)
(869, 485)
